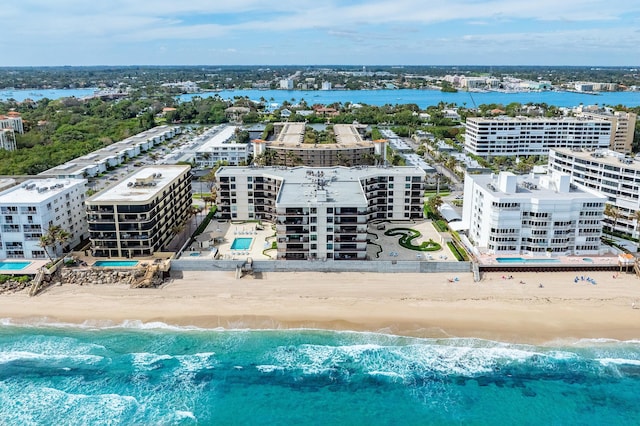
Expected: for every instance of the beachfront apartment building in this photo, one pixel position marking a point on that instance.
(28, 210)
(140, 215)
(623, 126)
(320, 212)
(222, 146)
(289, 148)
(611, 174)
(524, 136)
(531, 214)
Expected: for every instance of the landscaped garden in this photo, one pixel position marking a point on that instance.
(407, 235)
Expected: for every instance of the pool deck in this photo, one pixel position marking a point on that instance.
(30, 269)
(223, 233)
(609, 259)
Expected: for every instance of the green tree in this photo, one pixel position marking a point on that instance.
(55, 237)
(613, 213)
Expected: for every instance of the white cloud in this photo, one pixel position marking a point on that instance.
(42, 25)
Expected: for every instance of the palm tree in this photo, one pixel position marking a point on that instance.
(54, 236)
(434, 203)
(613, 213)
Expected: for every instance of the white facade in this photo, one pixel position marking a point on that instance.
(517, 136)
(286, 84)
(7, 139)
(222, 146)
(113, 155)
(326, 85)
(13, 121)
(509, 214)
(609, 173)
(29, 209)
(320, 212)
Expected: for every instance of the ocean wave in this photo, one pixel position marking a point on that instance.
(32, 404)
(7, 357)
(618, 361)
(268, 368)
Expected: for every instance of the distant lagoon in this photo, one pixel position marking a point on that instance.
(422, 98)
(425, 98)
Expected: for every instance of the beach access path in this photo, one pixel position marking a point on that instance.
(423, 305)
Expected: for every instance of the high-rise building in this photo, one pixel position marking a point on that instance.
(28, 210)
(518, 136)
(623, 126)
(139, 215)
(320, 212)
(509, 214)
(611, 174)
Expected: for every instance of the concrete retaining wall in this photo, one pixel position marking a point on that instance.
(319, 266)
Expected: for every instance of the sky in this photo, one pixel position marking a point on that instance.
(312, 32)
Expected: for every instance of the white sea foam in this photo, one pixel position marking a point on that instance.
(403, 361)
(618, 361)
(268, 368)
(12, 356)
(145, 360)
(185, 415)
(197, 362)
(35, 404)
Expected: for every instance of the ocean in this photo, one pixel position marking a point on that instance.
(156, 374)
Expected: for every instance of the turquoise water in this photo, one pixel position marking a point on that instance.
(423, 98)
(523, 260)
(138, 374)
(116, 263)
(13, 266)
(241, 243)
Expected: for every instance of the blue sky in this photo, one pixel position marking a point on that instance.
(407, 32)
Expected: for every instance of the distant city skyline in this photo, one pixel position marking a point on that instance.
(305, 32)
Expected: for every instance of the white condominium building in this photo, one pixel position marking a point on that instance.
(517, 136)
(139, 215)
(222, 146)
(509, 214)
(320, 212)
(29, 209)
(12, 120)
(609, 173)
(8, 139)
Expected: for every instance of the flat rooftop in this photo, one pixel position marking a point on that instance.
(530, 187)
(602, 156)
(110, 151)
(224, 136)
(342, 184)
(524, 119)
(292, 135)
(32, 191)
(140, 186)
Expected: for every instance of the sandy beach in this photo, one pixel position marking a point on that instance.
(424, 305)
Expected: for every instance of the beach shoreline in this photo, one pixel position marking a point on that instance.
(436, 305)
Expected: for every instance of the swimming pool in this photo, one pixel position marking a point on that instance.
(116, 263)
(13, 266)
(194, 254)
(523, 260)
(241, 243)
